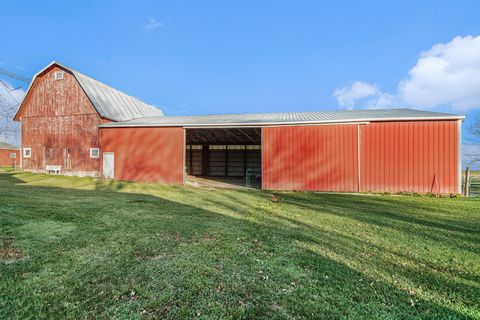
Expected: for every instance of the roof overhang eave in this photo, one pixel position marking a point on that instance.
(11, 149)
(275, 124)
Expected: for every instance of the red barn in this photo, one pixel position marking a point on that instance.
(392, 150)
(60, 115)
(9, 155)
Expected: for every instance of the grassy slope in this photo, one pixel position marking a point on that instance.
(96, 249)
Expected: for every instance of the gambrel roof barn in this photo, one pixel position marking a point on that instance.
(82, 126)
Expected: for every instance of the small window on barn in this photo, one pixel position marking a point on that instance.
(13, 155)
(94, 152)
(194, 147)
(27, 152)
(217, 147)
(58, 75)
(236, 147)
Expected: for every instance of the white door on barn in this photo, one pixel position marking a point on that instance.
(108, 165)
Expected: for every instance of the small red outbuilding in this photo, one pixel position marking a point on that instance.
(9, 155)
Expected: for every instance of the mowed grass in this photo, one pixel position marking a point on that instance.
(96, 249)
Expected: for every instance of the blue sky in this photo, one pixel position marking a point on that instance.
(201, 57)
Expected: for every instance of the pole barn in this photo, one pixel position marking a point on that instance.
(390, 150)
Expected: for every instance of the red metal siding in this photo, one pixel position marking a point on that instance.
(6, 161)
(310, 158)
(415, 156)
(419, 156)
(60, 124)
(146, 154)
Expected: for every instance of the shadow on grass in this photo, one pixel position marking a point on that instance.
(397, 215)
(182, 260)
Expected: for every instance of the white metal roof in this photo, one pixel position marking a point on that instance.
(286, 118)
(8, 146)
(110, 103)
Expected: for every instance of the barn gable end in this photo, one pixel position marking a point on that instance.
(59, 125)
(109, 103)
(49, 97)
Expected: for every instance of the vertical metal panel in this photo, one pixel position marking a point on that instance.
(323, 158)
(6, 161)
(458, 160)
(416, 156)
(146, 154)
(60, 124)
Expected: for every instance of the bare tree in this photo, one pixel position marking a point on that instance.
(9, 101)
(473, 148)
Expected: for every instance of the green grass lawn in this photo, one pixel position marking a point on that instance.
(85, 248)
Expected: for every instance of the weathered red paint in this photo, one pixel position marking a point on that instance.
(413, 156)
(310, 158)
(6, 160)
(146, 154)
(60, 124)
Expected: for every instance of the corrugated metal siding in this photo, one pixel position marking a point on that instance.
(410, 157)
(60, 124)
(310, 158)
(146, 154)
(6, 161)
(194, 160)
(219, 163)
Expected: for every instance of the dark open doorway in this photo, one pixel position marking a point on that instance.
(230, 156)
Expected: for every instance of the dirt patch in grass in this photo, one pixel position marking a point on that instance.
(9, 253)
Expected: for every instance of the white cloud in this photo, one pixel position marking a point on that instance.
(348, 95)
(152, 24)
(383, 100)
(446, 75)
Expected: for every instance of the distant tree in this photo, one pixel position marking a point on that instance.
(473, 153)
(475, 130)
(9, 101)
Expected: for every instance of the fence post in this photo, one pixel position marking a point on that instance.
(466, 183)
